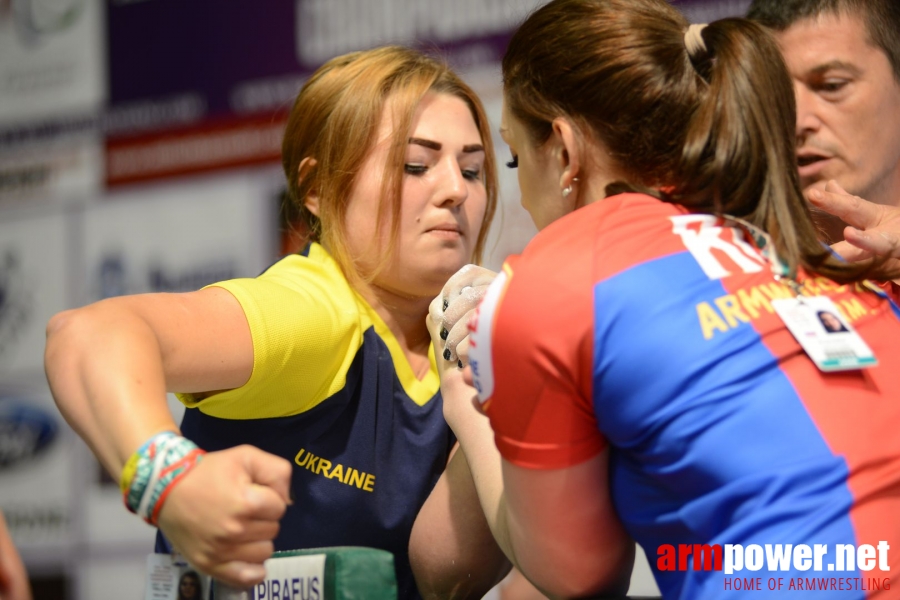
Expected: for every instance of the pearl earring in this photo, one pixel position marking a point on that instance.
(568, 189)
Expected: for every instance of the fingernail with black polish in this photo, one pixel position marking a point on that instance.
(460, 364)
(447, 354)
(446, 303)
(444, 333)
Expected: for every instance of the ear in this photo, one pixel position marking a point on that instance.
(569, 152)
(311, 202)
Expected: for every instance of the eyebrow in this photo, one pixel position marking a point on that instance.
(437, 145)
(835, 65)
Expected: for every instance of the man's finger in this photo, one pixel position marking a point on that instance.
(875, 241)
(849, 252)
(833, 186)
(850, 209)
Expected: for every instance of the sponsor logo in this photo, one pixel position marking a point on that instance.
(37, 19)
(16, 300)
(702, 234)
(25, 432)
(114, 277)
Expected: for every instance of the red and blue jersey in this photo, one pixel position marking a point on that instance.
(635, 325)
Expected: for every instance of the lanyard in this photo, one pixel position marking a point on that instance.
(765, 245)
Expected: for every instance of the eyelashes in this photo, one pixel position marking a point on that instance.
(418, 170)
(514, 163)
(414, 169)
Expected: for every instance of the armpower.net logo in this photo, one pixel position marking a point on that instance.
(843, 567)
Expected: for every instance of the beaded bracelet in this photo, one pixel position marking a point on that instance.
(153, 470)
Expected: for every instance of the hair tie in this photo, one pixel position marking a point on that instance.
(693, 39)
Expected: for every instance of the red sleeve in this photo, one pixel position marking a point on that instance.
(532, 361)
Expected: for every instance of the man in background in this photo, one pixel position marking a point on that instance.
(844, 58)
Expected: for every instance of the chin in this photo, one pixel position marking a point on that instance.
(806, 184)
(424, 281)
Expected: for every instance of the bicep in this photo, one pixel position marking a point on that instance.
(204, 338)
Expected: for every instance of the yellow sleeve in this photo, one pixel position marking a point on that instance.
(306, 327)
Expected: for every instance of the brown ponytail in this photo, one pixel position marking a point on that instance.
(739, 151)
(715, 130)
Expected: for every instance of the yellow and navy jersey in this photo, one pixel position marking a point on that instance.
(332, 392)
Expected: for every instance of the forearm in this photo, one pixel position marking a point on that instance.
(476, 439)
(105, 371)
(457, 545)
(452, 551)
(564, 532)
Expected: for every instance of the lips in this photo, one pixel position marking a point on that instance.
(446, 228)
(806, 159)
(811, 165)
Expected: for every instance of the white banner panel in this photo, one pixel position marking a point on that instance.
(37, 466)
(177, 237)
(33, 272)
(51, 58)
(45, 164)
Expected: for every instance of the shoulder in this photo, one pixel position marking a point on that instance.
(596, 242)
(302, 287)
(314, 269)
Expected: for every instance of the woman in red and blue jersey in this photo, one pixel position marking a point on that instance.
(636, 361)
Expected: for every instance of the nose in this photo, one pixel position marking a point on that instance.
(808, 121)
(454, 188)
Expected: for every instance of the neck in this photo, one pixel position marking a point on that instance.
(594, 182)
(404, 316)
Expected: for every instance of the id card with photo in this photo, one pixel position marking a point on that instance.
(171, 578)
(824, 334)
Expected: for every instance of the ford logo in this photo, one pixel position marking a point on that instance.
(26, 431)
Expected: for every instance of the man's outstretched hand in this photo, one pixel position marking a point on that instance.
(873, 230)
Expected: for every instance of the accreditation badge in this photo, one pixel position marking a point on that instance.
(824, 334)
(169, 577)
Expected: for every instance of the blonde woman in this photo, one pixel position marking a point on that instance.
(312, 387)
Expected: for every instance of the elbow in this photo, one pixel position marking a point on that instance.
(61, 355)
(59, 322)
(58, 330)
(588, 586)
(608, 575)
(68, 336)
(443, 570)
